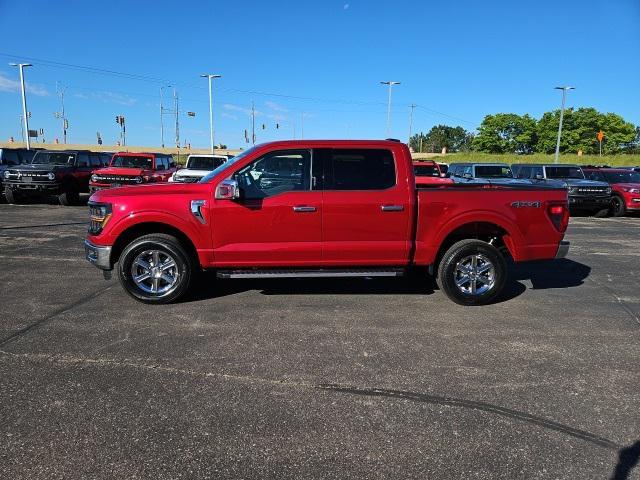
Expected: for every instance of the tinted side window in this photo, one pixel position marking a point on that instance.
(593, 175)
(274, 173)
(522, 172)
(161, 163)
(360, 169)
(82, 160)
(9, 157)
(95, 161)
(537, 172)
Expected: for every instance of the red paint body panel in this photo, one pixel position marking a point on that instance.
(347, 228)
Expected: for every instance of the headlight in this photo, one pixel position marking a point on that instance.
(138, 179)
(573, 190)
(94, 178)
(630, 190)
(6, 174)
(99, 213)
(608, 190)
(51, 176)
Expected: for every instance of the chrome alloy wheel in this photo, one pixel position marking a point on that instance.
(474, 275)
(155, 272)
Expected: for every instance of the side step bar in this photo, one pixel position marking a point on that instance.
(320, 273)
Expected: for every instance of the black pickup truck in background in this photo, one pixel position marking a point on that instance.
(584, 195)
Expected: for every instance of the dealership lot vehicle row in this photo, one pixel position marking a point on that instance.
(343, 378)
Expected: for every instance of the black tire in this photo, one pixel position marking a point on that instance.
(448, 272)
(618, 207)
(601, 213)
(70, 196)
(169, 246)
(11, 196)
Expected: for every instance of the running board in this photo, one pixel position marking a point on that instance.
(321, 273)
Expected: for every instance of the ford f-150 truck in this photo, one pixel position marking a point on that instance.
(128, 168)
(338, 208)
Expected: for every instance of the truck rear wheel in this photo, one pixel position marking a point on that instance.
(472, 272)
(155, 268)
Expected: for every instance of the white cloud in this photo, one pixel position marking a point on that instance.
(109, 97)
(10, 85)
(237, 108)
(275, 106)
(229, 115)
(345, 6)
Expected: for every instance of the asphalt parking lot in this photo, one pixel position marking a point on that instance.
(356, 378)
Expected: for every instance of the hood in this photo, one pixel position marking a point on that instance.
(133, 172)
(626, 185)
(578, 182)
(188, 172)
(112, 195)
(39, 167)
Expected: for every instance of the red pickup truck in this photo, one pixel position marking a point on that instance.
(428, 172)
(322, 209)
(128, 168)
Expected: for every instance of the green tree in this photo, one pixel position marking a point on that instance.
(579, 129)
(506, 133)
(455, 139)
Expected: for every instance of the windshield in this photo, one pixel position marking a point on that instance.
(219, 168)
(53, 158)
(132, 161)
(564, 172)
(425, 171)
(493, 171)
(205, 163)
(622, 177)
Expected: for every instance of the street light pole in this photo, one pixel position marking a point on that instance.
(412, 106)
(24, 100)
(211, 77)
(390, 83)
(564, 97)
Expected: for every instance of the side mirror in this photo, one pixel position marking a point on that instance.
(227, 190)
(539, 177)
(468, 176)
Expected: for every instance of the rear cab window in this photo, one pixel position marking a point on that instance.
(359, 169)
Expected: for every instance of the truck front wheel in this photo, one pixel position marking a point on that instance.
(70, 196)
(155, 268)
(472, 272)
(618, 207)
(11, 196)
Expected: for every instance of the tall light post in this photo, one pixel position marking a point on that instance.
(211, 76)
(390, 83)
(24, 100)
(162, 116)
(564, 97)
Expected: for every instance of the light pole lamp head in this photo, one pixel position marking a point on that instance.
(20, 65)
(564, 88)
(210, 75)
(390, 83)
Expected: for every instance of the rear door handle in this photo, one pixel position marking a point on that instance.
(303, 209)
(392, 208)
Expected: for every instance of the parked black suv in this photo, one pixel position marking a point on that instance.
(63, 173)
(584, 195)
(10, 157)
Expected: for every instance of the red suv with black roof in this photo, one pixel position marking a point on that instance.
(625, 186)
(127, 168)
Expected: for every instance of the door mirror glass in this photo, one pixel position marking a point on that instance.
(467, 175)
(539, 176)
(227, 190)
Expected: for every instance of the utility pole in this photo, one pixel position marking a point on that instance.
(564, 97)
(24, 100)
(412, 106)
(61, 114)
(211, 77)
(175, 101)
(253, 124)
(302, 125)
(390, 83)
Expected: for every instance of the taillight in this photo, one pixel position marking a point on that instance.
(559, 215)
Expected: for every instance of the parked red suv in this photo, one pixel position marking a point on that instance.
(322, 209)
(128, 168)
(428, 172)
(625, 186)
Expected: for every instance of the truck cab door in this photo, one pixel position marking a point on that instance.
(277, 219)
(367, 208)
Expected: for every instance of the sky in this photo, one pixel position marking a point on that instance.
(312, 67)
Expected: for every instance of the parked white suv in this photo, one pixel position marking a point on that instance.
(198, 165)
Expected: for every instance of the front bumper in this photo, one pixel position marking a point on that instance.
(563, 249)
(35, 187)
(589, 203)
(98, 255)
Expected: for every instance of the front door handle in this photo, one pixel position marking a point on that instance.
(303, 209)
(392, 208)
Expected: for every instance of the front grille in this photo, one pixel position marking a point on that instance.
(28, 176)
(592, 190)
(116, 179)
